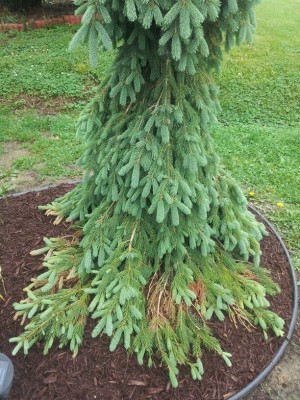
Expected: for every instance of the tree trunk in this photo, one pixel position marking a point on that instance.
(20, 5)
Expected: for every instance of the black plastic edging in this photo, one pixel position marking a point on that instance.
(252, 385)
(263, 374)
(40, 189)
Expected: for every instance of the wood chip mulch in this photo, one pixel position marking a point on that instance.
(96, 373)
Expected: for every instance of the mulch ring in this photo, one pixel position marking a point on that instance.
(96, 373)
(41, 17)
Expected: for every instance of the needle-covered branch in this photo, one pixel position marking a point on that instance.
(164, 239)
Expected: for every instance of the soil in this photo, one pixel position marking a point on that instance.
(20, 181)
(11, 151)
(98, 374)
(41, 105)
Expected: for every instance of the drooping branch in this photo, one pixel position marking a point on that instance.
(165, 239)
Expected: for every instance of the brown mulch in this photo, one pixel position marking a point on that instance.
(96, 373)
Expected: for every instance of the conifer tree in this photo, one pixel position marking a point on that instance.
(164, 240)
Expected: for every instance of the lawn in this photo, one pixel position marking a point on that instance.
(43, 87)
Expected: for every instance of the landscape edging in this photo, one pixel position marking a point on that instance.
(263, 374)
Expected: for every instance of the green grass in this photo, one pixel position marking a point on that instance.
(48, 138)
(266, 162)
(260, 83)
(37, 62)
(36, 68)
(258, 136)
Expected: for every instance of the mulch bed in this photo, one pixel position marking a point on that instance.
(96, 373)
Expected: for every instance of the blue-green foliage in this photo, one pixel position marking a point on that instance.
(186, 28)
(165, 231)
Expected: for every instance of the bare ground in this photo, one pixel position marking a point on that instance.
(49, 106)
(20, 181)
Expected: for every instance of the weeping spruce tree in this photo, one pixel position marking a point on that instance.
(163, 239)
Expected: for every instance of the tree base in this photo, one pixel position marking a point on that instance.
(116, 375)
(227, 346)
